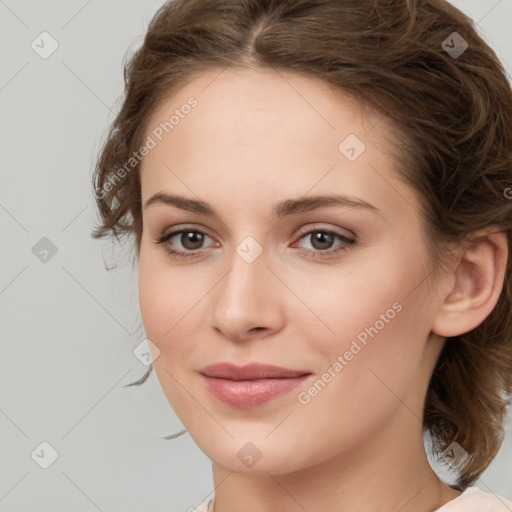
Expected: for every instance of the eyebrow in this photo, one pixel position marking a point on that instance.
(280, 210)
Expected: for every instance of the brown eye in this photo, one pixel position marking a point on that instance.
(191, 240)
(321, 240)
(187, 244)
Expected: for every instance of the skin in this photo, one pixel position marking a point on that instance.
(258, 137)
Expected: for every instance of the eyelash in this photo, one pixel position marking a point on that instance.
(313, 252)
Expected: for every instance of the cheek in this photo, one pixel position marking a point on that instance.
(375, 319)
(163, 296)
(166, 302)
(366, 297)
(153, 298)
(172, 302)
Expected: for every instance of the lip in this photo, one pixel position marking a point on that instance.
(250, 385)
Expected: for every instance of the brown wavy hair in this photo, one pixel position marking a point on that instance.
(453, 114)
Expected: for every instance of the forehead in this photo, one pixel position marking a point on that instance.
(265, 134)
(240, 103)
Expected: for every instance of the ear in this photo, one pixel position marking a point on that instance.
(474, 285)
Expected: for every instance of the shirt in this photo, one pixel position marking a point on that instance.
(471, 500)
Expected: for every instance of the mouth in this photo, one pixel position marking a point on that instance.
(250, 385)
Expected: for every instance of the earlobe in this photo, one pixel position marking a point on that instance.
(475, 284)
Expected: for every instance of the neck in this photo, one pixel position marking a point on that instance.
(380, 476)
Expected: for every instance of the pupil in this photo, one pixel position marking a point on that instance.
(195, 239)
(320, 237)
(189, 239)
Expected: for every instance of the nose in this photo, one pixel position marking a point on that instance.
(248, 301)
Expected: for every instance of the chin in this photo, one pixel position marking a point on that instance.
(256, 458)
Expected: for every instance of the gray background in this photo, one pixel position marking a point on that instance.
(69, 327)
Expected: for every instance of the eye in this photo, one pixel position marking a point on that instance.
(322, 241)
(192, 240)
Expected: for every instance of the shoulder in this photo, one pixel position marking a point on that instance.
(475, 500)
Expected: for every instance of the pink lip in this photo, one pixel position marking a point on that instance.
(250, 385)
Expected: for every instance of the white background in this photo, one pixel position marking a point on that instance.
(68, 327)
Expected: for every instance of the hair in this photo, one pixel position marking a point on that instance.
(453, 114)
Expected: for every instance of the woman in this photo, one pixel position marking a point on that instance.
(317, 191)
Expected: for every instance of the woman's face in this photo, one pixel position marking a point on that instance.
(336, 291)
